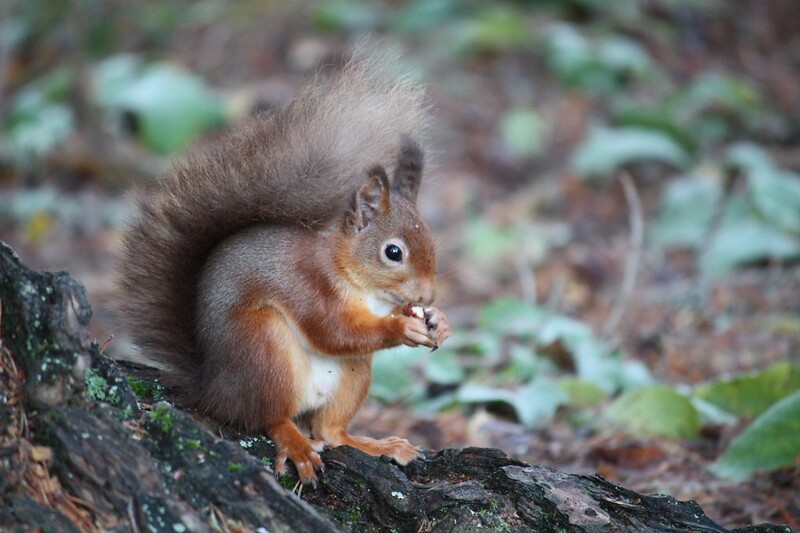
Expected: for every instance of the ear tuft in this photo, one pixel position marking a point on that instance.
(408, 176)
(371, 200)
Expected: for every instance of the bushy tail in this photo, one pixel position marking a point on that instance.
(300, 166)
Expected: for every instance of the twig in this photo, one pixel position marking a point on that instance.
(556, 295)
(731, 178)
(527, 278)
(632, 260)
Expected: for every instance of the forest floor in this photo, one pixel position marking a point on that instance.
(686, 329)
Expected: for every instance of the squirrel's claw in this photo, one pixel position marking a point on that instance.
(307, 462)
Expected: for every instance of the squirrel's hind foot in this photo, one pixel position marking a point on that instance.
(303, 452)
(402, 451)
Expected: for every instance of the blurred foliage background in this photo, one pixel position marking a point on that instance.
(614, 187)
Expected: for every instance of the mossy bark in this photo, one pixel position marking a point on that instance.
(162, 469)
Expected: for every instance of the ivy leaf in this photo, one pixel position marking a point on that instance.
(347, 16)
(607, 149)
(486, 242)
(597, 65)
(421, 15)
(655, 410)
(392, 377)
(687, 207)
(747, 157)
(511, 317)
(747, 240)
(662, 118)
(770, 442)
(751, 394)
(534, 404)
(493, 29)
(581, 392)
(171, 107)
(776, 195)
(524, 364)
(443, 367)
(593, 362)
(523, 132)
(112, 76)
(726, 93)
(712, 415)
(39, 118)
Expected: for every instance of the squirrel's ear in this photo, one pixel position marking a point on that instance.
(408, 176)
(372, 199)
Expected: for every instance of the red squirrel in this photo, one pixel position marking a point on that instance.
(266, 267)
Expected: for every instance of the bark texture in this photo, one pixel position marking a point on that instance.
(80, 450)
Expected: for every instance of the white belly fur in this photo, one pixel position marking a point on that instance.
(323, 380)
(325, 372)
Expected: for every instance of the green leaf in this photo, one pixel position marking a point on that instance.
(594, 363)
(112, 76)
(605, 150)
(421, 15)
(559, 327)
(687, 207)
(726, 93)
(582, 393)
(748, 157)
(770, 442)
(347, 16)
(746, 240)
(655, 410)
(568, 50)
(432, 406)
(172, 107)
(40, 117)
(750, 395)
(599, 65)
(40, 131)
(624, 56)
(392, 377)
(511, 317)
(537, 402)
(487, 242)
(479, 342)
(662, 119)
(443, 367)
(776, 195)
(634, 375)
(524, 364)
(710, 414)
(523, 132)
(494, 29)
(534, 404)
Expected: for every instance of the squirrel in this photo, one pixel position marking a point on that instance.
(266, 267)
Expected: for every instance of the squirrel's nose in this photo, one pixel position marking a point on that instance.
(427, 293)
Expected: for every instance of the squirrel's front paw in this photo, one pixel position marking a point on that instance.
(415, 332)
(425, 326)
(437, 324)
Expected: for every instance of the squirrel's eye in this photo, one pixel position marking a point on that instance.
(393, 253)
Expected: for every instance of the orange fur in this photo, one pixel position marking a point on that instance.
(258, 271)
(330, 424)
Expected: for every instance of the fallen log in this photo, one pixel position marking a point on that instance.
(81, 451)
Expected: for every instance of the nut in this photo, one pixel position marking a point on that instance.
(414, 310)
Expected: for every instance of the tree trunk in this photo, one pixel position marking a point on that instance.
(78, 452)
